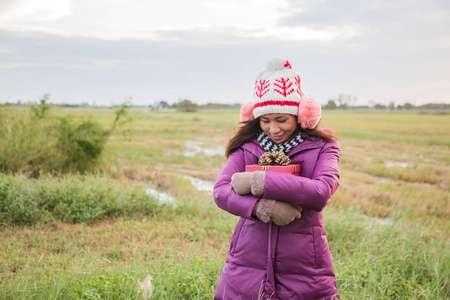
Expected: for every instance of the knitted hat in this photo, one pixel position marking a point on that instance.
(277, 90)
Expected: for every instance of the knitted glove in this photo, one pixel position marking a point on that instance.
(241, 182)
(281, 213)
(249, 183)
(258, 184)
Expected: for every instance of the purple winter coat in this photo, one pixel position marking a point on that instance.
(266, 261)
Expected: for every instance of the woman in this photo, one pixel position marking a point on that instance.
(279, 248)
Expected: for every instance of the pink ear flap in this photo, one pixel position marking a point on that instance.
(247, 112)
(309, 112)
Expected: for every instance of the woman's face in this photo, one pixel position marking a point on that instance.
(279, 127)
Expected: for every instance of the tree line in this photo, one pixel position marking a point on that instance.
(342, 102)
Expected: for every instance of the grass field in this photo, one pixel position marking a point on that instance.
(388, 223)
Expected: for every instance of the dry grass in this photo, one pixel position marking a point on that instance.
(391, 171)
(74, 247)
(389, 164)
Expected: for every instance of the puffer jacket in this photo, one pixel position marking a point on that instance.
(266, 261)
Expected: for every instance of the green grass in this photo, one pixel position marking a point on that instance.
(359, 134)
(387, 259)
(95, 236)
(71, 200)
(394, 261)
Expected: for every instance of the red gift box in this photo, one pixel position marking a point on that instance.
(292, 169)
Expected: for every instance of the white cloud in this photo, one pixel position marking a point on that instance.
(34, 10)
(15, 65)
(99, 50)
(156, 20)
(427, 92)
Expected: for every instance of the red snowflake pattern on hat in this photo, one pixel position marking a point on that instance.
(297, 84)
(285, 86)
(262, 87)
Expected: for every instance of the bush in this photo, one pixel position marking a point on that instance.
(34, 141)
(26, 143)
(80, 142)
(40, 111)
(187, 106)
(71, 199)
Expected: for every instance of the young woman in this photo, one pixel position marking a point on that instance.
(279, 248)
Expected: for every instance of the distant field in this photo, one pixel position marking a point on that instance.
(388, 224)
(389, 159)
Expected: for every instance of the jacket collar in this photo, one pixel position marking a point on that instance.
(254, 147)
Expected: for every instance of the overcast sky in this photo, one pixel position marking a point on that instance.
(104, 51)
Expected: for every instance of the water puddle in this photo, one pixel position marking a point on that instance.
(382, 179)
(193, 148)
(159, 166)
(396, 164)
(201, 185)
(378, 221)
(162, 197)
(426, 159)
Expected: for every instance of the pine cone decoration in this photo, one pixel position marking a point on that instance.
(274, 158)
(281, 158)
(265, 159)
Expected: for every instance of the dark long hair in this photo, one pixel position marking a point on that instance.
(246, 131)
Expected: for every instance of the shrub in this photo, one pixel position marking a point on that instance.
(34, 141)
(26, 144)
(80, 142)
(70, 199)
(187, 106)
(40, 111)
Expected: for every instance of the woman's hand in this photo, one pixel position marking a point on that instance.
(245, 183)
(281, 213)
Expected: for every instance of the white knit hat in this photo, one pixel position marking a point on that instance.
(277, 90)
